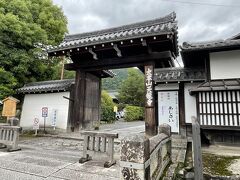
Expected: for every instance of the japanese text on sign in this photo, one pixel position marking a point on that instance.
(168, 109)
(54, 117)
(148, 83)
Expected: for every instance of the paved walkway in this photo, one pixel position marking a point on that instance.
(57, 159)
(122, 128)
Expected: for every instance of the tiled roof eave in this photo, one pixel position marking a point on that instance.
(217, 85)
(46, 86)
(210, 46)
(32, 91)
(171, 18)
(114, 40)
(179, 80)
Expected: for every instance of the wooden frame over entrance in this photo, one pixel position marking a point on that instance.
(147, 45)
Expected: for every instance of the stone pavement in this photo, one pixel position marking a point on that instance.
(53, 158)
(120, 127)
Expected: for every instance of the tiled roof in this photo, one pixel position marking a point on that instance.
(237, 36)
(47, 86)
(164, 25)
(211, 45)
(218, 85)
(179, 74)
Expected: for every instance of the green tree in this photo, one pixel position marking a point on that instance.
(107, 105)
(132, 90)
(7, 83)
(133, 113)
(26, 27)
(115, 82)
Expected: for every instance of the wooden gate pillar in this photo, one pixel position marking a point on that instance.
(79, 99)
(150, 120)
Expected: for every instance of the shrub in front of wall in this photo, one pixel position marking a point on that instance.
(107, 105)
(134, 113)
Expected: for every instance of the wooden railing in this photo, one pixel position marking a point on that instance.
(146, 158)
(98, 143)
(197, 152)
(9, 136)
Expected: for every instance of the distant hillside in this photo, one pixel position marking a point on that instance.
(115, 82)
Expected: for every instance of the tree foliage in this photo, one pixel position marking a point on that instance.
(25, 28)
(132, 90)
(133, 113)
(7, 83)
(115, 82)
(107, 105)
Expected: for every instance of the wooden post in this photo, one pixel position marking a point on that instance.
(197, 152)
(79, 99)
(62, 70)
(150, 121)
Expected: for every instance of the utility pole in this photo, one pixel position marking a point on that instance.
(62, 70)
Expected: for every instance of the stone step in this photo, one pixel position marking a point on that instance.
(177, 136)
(179, 143)
(181, 156)
(170, 174)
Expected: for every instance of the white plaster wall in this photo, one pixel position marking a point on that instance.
(32, 108)
(190, 102)
(225, 65)
(167, 87)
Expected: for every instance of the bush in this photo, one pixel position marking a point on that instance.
(107, 105)
(133, 113)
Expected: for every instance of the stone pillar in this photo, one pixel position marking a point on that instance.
(134, 158)
(166, 129)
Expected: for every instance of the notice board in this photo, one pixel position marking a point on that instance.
(168, 111)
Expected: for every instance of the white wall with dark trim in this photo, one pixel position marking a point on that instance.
(190, 102)
(33, 104)
(225, 64)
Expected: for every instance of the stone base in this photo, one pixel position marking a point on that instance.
(14, 149)
(85, 159)
(2, 146)
(108, 164)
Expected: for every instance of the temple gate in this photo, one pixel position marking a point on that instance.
(146, 45)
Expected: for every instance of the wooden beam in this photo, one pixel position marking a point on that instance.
(119, 53)
(122, 62)
(93, 53)
(144, 42)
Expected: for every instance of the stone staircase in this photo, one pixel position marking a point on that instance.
(179, 149)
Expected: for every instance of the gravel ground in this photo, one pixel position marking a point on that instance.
(235, 167)
(227, 151)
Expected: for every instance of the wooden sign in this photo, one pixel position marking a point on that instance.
(9, 107)
(149, 86)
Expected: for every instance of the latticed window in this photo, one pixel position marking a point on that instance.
(219, 108)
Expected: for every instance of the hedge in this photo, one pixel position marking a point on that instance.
(107, 105)
(133, 113)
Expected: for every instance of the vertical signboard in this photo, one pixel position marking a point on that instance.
(149, 86)
(168, 109)
(35, 125)
(44, 115)
(54, 117)
(44, 112)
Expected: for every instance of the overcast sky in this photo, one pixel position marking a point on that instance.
(212, 19)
